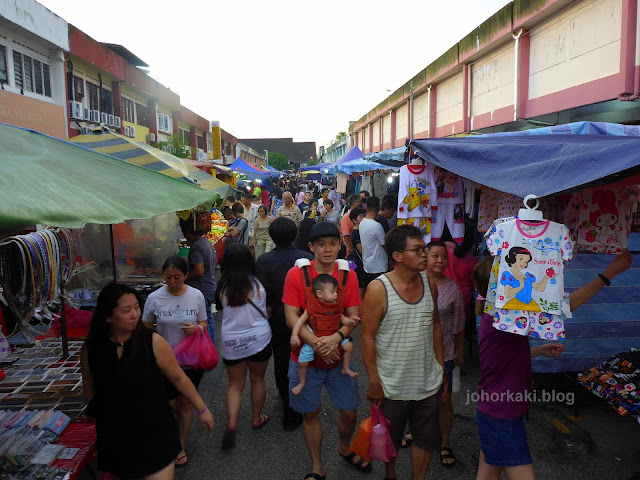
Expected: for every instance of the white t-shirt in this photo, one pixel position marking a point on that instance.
(374, 258)
(245, 330)
(532, 260)
(169, 312)
(417, 192)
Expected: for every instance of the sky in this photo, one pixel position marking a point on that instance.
(281, 68)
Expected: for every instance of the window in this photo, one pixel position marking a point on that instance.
(183, 135)
(28, 73)
(106, 101)
(127, 110)
(209, 143)
(142, 114)
(200, 142)
(3, 65)
(164, 122)
(17, 69)
(92, 93)
(78, 86)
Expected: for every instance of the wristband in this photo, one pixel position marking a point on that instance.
(606, 281)
(341, 334)
(203, 410)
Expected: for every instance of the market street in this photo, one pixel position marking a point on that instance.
(602, 445)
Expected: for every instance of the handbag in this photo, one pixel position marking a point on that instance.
(380, 446)
(197, 351)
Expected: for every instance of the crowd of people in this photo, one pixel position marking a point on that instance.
(302, 269)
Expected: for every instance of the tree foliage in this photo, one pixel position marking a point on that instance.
(279, 161)
(341, 135)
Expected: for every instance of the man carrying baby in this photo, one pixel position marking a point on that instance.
(326, 368)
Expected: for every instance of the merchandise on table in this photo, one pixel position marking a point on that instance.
(616, 380)
(219, 227)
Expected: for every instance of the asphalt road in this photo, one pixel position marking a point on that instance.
(599, 444)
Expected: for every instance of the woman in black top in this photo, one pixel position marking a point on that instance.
(123, 365)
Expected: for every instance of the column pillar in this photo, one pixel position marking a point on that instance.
(393, 129)
(193, 141)
(152, 106)
(432, 111)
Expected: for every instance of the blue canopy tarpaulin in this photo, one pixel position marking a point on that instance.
(361, 165)
(249, 170)
(319, 167)
(352, 154)
(393, 157)
(541, 161)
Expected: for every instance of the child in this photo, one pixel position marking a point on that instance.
(325, 288)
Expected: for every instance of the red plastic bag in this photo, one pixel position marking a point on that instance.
(360, 443)
(381, 446)
(197, 351)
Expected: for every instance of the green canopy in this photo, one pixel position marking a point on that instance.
(50, 181)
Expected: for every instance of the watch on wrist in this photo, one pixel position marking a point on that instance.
(341, 334)
(606, 281)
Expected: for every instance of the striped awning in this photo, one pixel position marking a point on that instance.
(149, 157)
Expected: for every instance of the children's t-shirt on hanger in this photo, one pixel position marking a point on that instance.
(449, 186)
(531, 268)
(417, 191)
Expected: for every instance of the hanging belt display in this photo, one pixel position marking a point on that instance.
(34, 269)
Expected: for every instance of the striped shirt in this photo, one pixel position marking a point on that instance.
(405, 358)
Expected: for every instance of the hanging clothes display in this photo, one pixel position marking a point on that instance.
(365, 182)
(450, 205)
(495, 204)
(470, 188)
(341, 183)
(602, 219)
(380, 185)
(417, 195)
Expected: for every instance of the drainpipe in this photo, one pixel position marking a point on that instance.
(411, 111)
(516, 37)
(429, 111)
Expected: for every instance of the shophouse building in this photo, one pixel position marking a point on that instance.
(33, 45)
(533, 63)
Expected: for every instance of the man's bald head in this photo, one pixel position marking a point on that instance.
(287, 198)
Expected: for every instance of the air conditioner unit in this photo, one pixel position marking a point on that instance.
(202, 157)
(151, 137)
(112, 121)
(104, 118)
(85, 114)
(75, 110)
(85, 130)
(126, 131)
(117, 122)
(94, 116)
(132, 132)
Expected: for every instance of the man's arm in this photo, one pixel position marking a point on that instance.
(196, 270)
(373, 308)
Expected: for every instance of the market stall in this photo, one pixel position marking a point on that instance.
(582, 172)
(46, 181)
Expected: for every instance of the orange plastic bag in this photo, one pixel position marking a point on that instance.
(362, 439)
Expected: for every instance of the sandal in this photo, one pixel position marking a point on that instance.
(228, 440)
(315, 476)
(448, 453)
(407, 440)
(265, 419)
(359, 464)
(181, 461)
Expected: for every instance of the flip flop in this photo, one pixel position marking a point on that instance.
(178, 461)
(265, 419)
(359, 465)
(315, 476)
(406, 441)
(448, 454)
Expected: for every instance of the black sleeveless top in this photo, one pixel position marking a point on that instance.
(136, 429)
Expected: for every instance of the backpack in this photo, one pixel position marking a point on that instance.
(324, 318)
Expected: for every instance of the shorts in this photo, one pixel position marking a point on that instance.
(526, 323)
(503, 442)
(307, 353)
(342, 389)
(194, 375)
(423, 416)
(262, 356)
(448, 371)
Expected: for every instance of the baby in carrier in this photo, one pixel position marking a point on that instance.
(325, 288)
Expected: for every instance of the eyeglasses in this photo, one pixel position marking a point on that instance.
(417, 250)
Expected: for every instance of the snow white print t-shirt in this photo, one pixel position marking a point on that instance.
(530, 275)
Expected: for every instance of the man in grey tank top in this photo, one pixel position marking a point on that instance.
(402, 348)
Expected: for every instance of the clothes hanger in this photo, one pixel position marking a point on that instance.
(528, 213)
(416, 160)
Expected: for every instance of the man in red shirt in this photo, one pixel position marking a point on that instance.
(324, 242)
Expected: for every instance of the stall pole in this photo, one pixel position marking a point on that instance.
(63, 326)
(113, 253)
